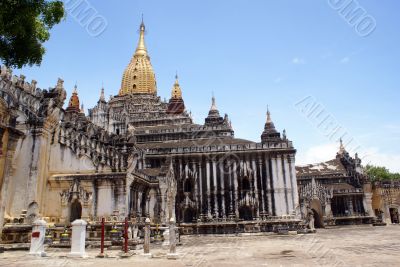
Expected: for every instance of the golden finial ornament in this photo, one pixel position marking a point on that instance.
(139, 77)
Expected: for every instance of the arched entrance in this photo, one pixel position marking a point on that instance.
(246, 213)
(317, 219)
(76, 211)
(189, 215)
(316, 207)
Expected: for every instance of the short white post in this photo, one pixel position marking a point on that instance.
(172, 240)
(146, 245)
(78, 239)
(37, 239)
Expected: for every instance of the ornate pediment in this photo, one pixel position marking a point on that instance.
(315, 190)
(76, 191)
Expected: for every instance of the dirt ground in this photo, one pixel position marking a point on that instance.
(344, 246)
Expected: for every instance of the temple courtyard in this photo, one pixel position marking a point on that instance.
(341, 246)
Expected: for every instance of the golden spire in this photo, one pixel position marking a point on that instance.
(141, 49)
(138, 77)
(176, 89)
(73, 104)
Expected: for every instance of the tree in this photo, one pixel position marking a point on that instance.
(24, 27)
(377, 173)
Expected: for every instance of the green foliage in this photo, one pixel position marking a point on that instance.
(377, 173)
(24, 27)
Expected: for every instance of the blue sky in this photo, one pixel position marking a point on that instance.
(250, 54)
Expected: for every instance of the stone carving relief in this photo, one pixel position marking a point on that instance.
(76, 192)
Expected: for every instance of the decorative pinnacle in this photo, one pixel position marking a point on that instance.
(102, 97)
(141, 49)
(75, 89)
(213, 104)
(342, 149)
(268, 115)
(176, 89)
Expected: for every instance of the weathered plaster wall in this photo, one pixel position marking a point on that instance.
(18, 186)
(105, 198)
(64, 160)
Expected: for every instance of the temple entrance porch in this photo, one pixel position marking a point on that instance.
(317, 209)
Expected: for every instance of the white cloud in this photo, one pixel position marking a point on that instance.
(345, 60)
(298, 61)
(317, 154)
(371, 155)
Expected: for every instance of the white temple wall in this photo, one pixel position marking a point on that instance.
(18, 187)
(105, 199)
(64, 160)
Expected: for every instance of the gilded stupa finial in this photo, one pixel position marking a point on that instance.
(176, 90)
(139, 77)
(141, 49)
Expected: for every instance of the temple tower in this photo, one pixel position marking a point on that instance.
(176, 104)
(139, 77)
(270, 134)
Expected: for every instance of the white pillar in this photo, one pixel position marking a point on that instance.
(289, 185)
(78, 239)
(268, 186)
(281, 183)
(255, 177)
(200, 178)
(172, 240)
(235, 181)
(328, 209)
(231, 190)
(276, 188)
(367, 202)
(37, 239)
(262, 185)
(296, 203)
(195, 178)
(216, 206)
(222, 177)
(208, 190)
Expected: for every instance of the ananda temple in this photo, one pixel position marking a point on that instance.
(136, 156)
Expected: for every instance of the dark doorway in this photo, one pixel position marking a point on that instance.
(394, 215)
(188, 215)
(188, 186)
(76, 211)
(245, 184)
(245, 213)
(317, 220)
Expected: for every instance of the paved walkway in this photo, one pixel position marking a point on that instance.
(345, 246)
